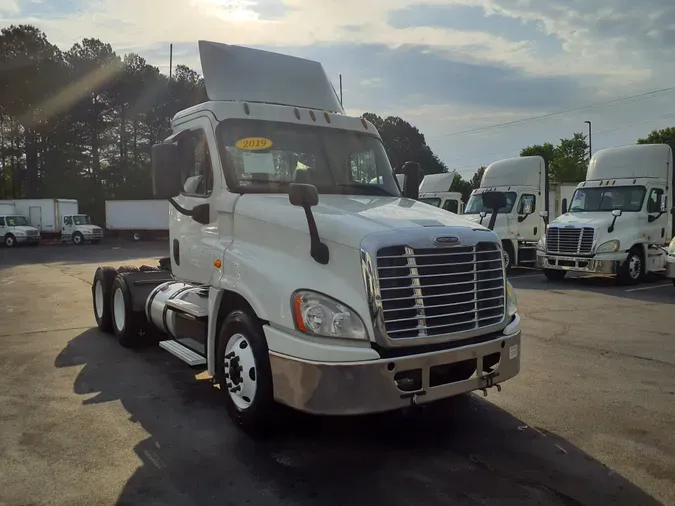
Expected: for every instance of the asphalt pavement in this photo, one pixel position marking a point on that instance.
(589, 421)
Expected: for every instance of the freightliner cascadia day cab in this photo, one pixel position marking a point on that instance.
(435, 191)
(296, 282)
(520, 223)
(618, 221)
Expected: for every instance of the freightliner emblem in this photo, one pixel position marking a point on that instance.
(447, 240)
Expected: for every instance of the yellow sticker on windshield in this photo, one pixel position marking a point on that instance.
(253, 143)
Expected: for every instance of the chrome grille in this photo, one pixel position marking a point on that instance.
(430, 292)
(31, 232)
(569, 240)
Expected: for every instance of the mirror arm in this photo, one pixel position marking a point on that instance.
(179, 208)
(611, 227)
(652, 218)
(493, 219)
(318, 249)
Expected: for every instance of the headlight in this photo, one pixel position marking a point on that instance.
(19, 233)
(609, 247)
(671, 248)
(318, 315)
(88, 232)
(511, 300)
(541, 245)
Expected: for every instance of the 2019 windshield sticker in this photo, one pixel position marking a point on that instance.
(253, 143)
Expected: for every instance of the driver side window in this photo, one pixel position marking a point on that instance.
(654, 201)
(68, 220)
(524, 199)
(196, 164)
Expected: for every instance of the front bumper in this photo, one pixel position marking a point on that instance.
(670, 267)
(27, 239)
(592, 265)
(355, 388)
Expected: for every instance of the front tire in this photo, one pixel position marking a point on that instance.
(632, 270)
(10, 241)
(509, 256)
(244, 373)
(127, 324)
(101, 290)
(554, 274)
(78, 239)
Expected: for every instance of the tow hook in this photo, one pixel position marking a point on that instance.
(490, 383)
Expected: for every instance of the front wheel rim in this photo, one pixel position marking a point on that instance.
(9, 241)
(98, 299)
(241, 373)
(77, 239)
(507, 259)
(634, 267)
(118, 309)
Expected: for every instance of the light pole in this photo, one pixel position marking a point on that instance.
(590, 140)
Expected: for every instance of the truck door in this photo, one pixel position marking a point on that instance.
(192, 243)
(35, 217)
(528, 225)
(67, 228)
(656, 230)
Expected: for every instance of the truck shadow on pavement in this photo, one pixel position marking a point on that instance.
(469, 452)
(68, 254)
(653, 289)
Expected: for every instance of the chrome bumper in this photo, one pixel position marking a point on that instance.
(22, 239)
(577, 264)
(370, 387)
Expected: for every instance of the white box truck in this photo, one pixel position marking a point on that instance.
(137, 218)
(308, 285)
(435, 191)
(60, 218)
(618, 221)
(15, 228)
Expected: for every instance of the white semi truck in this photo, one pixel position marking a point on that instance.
(59, 218)
(618, 221)
(306, 285)
(519, 224)
(15, 228)
(137, 218)
(435, 191)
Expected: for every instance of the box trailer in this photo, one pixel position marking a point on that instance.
(59, 218)
(137, 218)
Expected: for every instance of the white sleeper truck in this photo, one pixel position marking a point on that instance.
(618, 221)
(435, 191)
(519, 223)
(14, 228)
(291, 277)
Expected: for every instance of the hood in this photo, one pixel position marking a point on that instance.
(348, 219)
(90, 228)
(593, 220)
(23, 228)
(501, 222)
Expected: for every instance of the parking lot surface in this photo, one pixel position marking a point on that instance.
(589, 420)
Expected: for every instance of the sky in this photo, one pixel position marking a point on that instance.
(470, 74)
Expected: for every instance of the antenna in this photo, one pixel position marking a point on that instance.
(341, 90)
(170, 61)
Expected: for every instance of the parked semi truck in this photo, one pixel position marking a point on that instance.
(436, 191)
(305, 285)
(618, 221)
(15, 228)
(59, 218)
(137, 218)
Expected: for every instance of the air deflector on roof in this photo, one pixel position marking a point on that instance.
(251, 75)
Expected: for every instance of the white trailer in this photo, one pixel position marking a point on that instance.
(14, 228)
(560, 198)
(315, 286)
(618, 221)
(138, 218)
(435, 190)
(60, 218)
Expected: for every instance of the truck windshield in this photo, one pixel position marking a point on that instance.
(82, 219)
(16, 221)
(598, 199)
(266, 157)
(475, 204)
(433, 201)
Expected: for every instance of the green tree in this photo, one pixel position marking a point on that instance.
(404, 142)
(567, 161)
(546, 151)
(663, 136)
